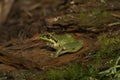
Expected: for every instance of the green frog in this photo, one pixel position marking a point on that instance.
(62, 43)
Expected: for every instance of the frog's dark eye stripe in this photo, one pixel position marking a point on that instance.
(55, 40)
(46, 36)
(50, 37)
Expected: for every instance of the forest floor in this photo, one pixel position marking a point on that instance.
(21, 48)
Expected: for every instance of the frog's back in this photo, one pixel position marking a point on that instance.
(66, 38)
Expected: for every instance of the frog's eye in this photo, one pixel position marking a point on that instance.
(48, 36)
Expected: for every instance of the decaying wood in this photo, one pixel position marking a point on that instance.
(5, 7)
(29, 54)
(32, 56)
(16, 61)
(114, 24)
(116, 15)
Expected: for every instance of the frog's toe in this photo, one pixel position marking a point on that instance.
(54, 55)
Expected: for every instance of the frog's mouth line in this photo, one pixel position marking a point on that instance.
(53, 40)
(49, 38)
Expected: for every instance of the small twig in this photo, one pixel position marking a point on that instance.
(114, 24)
(116, 15)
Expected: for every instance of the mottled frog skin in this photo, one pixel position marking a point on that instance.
(63, 43)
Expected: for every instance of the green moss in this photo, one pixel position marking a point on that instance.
(72, 71)
(103, 1)
(109, 44)
(95, 12)
(24, 75)
(55, 75)
(112, 73)
(95, 17)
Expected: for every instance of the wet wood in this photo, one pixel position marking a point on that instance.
(5, 7)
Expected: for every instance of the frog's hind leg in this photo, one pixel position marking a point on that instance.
(73, 47)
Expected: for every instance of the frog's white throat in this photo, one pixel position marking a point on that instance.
(56, 44)
(53, 45)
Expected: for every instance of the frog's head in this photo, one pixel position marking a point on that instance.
(48, 37)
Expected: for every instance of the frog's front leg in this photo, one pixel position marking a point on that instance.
(57, 53)
(71, 47)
